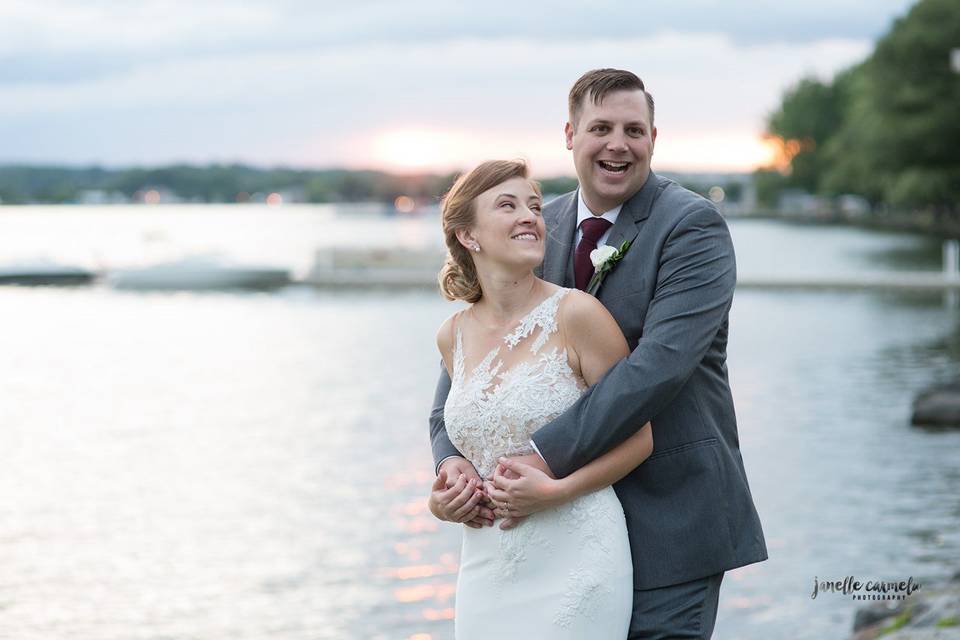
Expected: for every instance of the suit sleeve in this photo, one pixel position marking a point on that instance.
(442, 447)
(694, 289)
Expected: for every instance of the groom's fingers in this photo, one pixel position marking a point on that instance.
(441, 481)
(485, 513)
(479, 520)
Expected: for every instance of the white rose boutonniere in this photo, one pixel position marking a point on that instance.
(601, 254)
(604, 259)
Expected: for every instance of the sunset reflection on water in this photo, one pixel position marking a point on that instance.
(423, 575)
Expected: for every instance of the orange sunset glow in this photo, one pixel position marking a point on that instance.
(407, 149)
(424, 149)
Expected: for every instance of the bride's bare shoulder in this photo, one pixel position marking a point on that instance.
(445, 339)
(588, 326)
(580, 309)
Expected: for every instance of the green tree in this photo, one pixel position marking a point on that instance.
(916, 96)
(899, 140)
(768, 184)
(558, 185)
(810, 114)
(886, 128)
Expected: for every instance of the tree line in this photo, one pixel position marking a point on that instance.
(886, 129)
(227, 183)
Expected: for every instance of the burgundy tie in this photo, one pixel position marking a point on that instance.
(592, 229)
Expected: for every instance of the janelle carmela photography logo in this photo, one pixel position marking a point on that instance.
(866, 590)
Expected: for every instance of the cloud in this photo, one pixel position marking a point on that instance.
(64, 41)
(325, 107)
(324, 83)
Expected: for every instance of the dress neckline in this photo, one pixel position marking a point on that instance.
(523, 328)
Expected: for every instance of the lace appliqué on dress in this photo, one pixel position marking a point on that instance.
(584, 592)
(583, 595)
(494, 412)
(544, 316)
(513, 549)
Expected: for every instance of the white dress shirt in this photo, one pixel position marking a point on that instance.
(583, 212)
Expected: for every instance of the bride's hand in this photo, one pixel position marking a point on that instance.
(520, 488)
(461, 502)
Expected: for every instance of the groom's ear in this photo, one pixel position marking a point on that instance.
(568, 132)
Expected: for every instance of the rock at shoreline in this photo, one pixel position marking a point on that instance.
(930, 614)
(938, 407)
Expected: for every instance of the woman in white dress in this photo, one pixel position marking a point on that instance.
(521, 353)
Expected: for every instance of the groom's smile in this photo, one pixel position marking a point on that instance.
(614, 168)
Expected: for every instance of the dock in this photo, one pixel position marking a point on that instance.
(418, 269)
(919, 281)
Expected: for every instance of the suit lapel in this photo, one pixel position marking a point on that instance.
(560, 229)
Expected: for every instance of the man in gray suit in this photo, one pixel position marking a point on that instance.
(690, 515)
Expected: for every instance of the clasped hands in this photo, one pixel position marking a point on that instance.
(519, 486)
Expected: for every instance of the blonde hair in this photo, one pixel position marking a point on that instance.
(458, 278)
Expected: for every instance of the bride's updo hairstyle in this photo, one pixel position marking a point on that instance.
(458, 277)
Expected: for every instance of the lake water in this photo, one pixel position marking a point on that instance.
(255, 465)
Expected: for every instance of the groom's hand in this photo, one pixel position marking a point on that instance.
(456, 466)
(454, 498)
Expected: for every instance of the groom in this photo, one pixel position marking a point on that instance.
(690, 515)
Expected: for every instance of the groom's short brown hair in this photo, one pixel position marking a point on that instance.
(597, 84)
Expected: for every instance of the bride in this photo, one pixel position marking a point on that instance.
(519, 354)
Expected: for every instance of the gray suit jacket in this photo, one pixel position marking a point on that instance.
(688, 507)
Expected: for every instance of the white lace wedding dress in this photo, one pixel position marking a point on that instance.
(564, 573)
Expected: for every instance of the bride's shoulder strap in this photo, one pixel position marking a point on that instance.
(446, 340)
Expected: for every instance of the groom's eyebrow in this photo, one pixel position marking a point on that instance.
(629, 124)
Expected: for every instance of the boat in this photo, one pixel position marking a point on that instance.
(199, 274)
(43, 273)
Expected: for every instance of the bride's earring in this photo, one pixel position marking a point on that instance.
(476, 248)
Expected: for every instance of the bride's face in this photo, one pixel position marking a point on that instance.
(509, 225)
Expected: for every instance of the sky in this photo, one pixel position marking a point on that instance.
(401, 86)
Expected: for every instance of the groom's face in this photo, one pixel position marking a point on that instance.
(612, 143)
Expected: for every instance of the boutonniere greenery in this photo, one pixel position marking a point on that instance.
(604, 259)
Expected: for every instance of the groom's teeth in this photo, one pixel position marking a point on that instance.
(613, 166)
